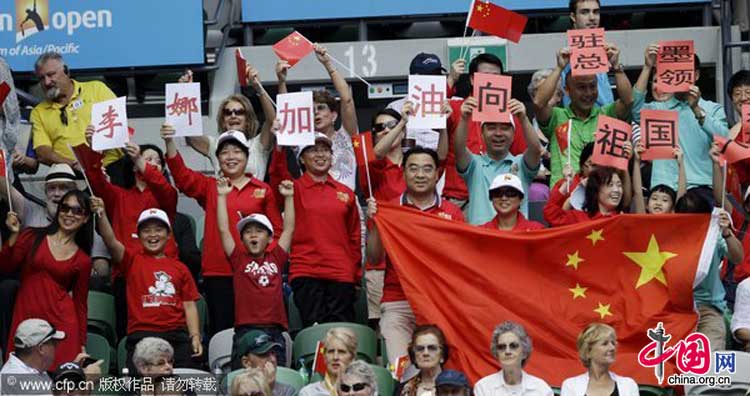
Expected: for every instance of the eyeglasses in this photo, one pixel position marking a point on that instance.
(430, 348)
(235, 112)
(382, 126)
(353, 387)
(74, 210)
(321, 107)
(740, 94)
(512, 346)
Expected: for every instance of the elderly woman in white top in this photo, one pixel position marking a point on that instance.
(153, 357)
(511, 346)
(597, 345)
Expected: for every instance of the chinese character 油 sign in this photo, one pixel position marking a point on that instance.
(675, 67)
(427, 93)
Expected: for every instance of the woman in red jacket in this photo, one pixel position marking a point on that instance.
(249, 195)
(55, 269)
(604, 197)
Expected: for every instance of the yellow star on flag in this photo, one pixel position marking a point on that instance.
(603, 310)
(651, 262)
(578, 291)
(356, 144)
(574, 260)
(595, 236)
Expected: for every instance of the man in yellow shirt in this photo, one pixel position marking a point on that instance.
(61, 119)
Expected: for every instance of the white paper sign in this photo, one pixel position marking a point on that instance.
(427, 93)
(296, 117)
(182, 108)
(110, 120)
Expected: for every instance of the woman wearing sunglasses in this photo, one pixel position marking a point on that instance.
(597, 345)
(55, 267)
(237, 114)
(340, 346)
(506, 193)
(511, 346)
(358, 380)
(428, 352)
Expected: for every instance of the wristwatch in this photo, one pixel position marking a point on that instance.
(700, 116)
(618, 68)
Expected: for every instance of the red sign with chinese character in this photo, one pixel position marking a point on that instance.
(2, 164)
(745, 126)
(609, 146)
(587, 56)
(732, 150)
(659, 133)
(492, 92)
(675, 67)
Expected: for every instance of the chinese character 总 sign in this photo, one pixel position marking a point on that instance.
(609, 143)
(675, 70)
(427, 93)
(183, 108)
(296, 119)
(587, 53)
(110, 120)
(492, 92)
(659, 131)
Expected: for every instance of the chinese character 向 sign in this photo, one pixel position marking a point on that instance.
(183, 108)
(296, 118)
(609, 146)
(587, 53)
(675, 70)
(492, 92)
(428, 94)
(659, 131)
(110, 121)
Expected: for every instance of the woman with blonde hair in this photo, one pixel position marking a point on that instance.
(597, 345)
(250, 382)
(340, 346)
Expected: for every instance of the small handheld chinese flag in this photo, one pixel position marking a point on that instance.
(400, 367)
(293, 48)
(363, 148)
(4, 91)
(241, 67)
(495, 20)
(319, 363)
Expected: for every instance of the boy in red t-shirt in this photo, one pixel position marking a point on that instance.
(161, 293)
(256, 267)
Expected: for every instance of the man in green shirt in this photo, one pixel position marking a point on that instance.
(569, 128)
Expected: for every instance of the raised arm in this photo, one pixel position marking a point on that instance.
(348, 112)
(533, 154)
(116, 248)
(627, 185)
(191, 183)
(734, 246)
(18, 200)
(223, 188)
(648, 63)
(463, 155)
(682, 176)
(548, 87)
(282, 67)
(639, 205)
(374, 245)
(383, 146)
(442, 146)
(197, 143)
(266, 137)
(286, 188)
(717, 178)
(622, 83)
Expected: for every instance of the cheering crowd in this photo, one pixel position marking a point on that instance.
(301, 219)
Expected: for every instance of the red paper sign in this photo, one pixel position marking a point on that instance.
(659, 131)
(2, 164)
(745, 129)
(675, 68)
(586, 38)
(241, 67)
(609, 146)
(588, 56)
(293, 48)
(4, 91)
(732, 150)
(492, 92)
(497, 21)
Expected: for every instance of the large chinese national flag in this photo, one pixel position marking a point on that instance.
(293, 48)
(495, 20)
(630, 271)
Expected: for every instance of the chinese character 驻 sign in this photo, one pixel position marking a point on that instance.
(110, 120)
(296, 117)
(659, 131)
(675, 68)
(183, 108)
(492, 92)
(427, 93)
(587, 53)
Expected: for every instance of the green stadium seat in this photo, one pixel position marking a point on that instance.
(122, 355)
(203, 315)
(293, 316)
(648, 390)
(386, 383)
(307, 339)
(101, 315)
(98, 348)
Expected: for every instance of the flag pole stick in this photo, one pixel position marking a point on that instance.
(466, 29)
(7, 181)
(83, 171)
(570, 161)
(367, 165)
(350, 70)
(723, 183)
(263, 91)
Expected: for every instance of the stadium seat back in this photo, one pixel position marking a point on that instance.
(101, 315)
(98, 348)
(220, 350)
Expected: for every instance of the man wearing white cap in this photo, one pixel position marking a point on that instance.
(506, 193)
(35, 341)
(257, 269)
(160, 290)
(326, 256)
(478, 171)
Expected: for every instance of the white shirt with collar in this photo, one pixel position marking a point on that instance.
(576, 386)
(14, 365)
(494, 385)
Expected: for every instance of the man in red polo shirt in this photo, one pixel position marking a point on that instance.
(326, 259)
(421, 172)
(506, 193)
(455, 188)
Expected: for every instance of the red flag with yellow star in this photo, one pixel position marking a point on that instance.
(319, 362)
(495, 20)
(629, 271)
(293, 48)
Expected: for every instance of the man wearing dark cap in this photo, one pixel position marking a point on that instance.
(257, 349)
(452, 383)
(71, 379)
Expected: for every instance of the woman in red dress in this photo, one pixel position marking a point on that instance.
(53, 261)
